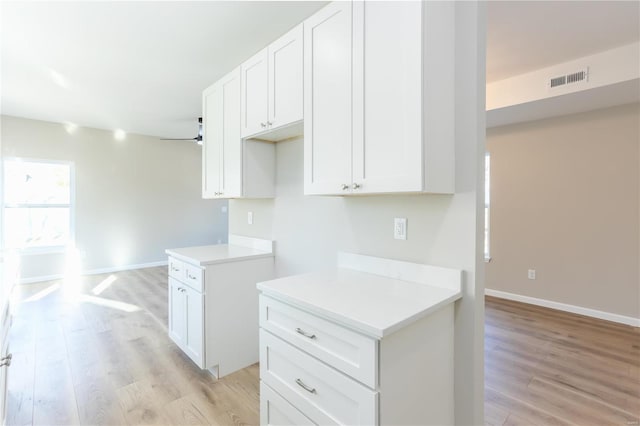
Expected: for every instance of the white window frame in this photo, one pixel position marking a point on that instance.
(71, 206)
(487, 206)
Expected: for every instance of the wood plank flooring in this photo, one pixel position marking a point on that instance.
(100, 355)
(547, 367)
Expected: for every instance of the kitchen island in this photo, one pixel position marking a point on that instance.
(213, 301)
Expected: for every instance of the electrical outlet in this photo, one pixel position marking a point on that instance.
(400, 228)
(250, 218)
(531, 274)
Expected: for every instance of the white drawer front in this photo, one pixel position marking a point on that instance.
(344, 349)
(176, 269)
(193, 277)
(276, 411)
(321, 393)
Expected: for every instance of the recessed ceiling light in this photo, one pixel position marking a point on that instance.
(58, 79)
(70, 127)
(119, 134)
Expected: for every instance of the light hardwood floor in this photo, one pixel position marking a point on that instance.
(547, 367)
(105, 359)
(101, 355)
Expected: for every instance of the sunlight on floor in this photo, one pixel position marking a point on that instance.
(114, 304)
(105, 284)
(42, 293)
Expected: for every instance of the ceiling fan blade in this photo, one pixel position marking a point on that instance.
(197, 139)
(178, 139)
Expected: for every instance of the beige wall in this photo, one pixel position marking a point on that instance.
(134, 198)
(565, 201)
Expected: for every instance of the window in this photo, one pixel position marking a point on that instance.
(487, 193)
(38, 209)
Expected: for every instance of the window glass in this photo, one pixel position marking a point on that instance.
(487, 201)
(37, 204)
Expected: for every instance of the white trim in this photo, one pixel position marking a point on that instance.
(594, 313)
(94, 272)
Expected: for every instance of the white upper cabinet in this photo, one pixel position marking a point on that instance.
(390, 127)
(328, 100)
(212, 102)
(272, 89)
(231, 167)
(285, 79)
(255, 92)
(222, 146)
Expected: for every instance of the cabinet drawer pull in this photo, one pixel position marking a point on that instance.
(345, 186)
(305, 387)
(173, 268)
(263, 125)
(356, 186)
(305, 334)
(6, 361)
(191, 277)
(269, 123)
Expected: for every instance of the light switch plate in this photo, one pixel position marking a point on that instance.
(250, 218)
(400, 228)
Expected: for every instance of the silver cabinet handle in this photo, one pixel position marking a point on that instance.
(263, 125)
(269, 123)
(356, 185)
(345, 186)
(305, 387)
(191, 277)
(305, 334)
(173, 268)
(6, 361)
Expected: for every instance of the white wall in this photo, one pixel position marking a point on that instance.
(134, 198)
(565, 200)
(444, 230)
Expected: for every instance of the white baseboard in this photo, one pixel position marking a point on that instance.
(634, 322)
(98, 271)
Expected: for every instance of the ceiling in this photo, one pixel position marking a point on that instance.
(141, 66)
(523, 36)
(138, 66)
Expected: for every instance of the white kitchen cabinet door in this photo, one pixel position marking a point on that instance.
(231, 152)
(177, 312)
(255, 92)
(327, 100)
(194, 336)
(387, 144)
(221, 140)
(285, 79)
(212, 139)
(380, 99)
(277, 411)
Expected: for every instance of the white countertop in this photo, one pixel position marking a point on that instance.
(221, 253)
(372, 304)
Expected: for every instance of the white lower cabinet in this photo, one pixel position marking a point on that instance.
(185, 319)
(213, 304)
(276, 411)
(319, 391)
(317, 371)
